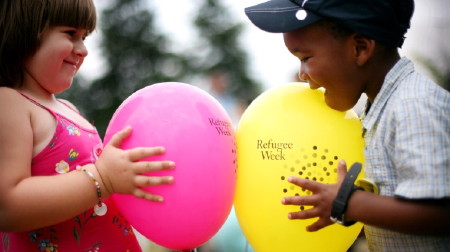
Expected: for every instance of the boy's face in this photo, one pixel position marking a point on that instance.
(328, 62)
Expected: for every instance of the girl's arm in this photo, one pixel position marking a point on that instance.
(28, 202)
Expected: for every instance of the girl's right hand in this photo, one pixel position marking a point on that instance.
(121, 171)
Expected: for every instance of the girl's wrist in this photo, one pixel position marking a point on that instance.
(109, 190)
(91, 171)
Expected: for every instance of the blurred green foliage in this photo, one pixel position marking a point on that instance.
(440, 75)
(138, 54)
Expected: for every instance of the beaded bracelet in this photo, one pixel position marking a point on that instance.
(100, 208)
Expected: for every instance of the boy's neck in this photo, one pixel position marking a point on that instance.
(380, 67)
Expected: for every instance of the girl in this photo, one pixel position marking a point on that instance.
(55, 175)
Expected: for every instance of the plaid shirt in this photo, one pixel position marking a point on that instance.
(407, 150)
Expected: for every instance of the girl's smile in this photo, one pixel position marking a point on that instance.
(58, 58)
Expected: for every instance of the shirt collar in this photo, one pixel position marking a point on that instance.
(401, 69)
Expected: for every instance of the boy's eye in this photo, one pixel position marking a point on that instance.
(304, 60)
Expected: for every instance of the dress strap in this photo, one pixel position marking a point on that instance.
(38, 104)
(44, 107)
(59, 117)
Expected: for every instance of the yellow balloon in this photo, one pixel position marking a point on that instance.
(290, 131)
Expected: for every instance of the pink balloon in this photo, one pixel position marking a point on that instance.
(199, 137)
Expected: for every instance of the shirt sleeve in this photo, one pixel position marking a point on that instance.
(421, 147)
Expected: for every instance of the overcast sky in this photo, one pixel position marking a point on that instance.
(271, 62)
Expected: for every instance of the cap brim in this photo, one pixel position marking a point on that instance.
(280, 16)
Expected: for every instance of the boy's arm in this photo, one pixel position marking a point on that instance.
(408, 216)
(428, 217)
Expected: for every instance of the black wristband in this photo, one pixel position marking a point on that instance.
(347, 189)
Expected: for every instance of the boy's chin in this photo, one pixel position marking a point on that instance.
(336, 105)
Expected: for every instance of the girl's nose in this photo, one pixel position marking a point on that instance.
(80, 49)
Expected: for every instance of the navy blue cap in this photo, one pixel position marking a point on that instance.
(385, 21)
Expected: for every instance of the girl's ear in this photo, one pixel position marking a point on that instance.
(364, 48)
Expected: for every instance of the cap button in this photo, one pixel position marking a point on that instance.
(301, 14)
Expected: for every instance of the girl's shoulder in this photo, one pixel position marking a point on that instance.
(7, 91)
(11, 99)
(15, 110)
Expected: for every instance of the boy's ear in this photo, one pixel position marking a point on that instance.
(364, 48)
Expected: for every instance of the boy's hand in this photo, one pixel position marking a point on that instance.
(121, 171)
(321, 200)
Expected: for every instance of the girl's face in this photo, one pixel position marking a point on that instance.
(327, 62)
(57, 60)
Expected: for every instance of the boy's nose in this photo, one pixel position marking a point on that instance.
(302, 76)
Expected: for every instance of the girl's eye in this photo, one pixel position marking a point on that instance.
(70, 32)
(76, 33)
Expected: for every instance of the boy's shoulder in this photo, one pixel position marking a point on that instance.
(417, 86)
(407, 93)
(405, 82)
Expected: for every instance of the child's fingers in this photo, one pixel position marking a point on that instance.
(117, 139)
(139, 153)
(305, 183)
(341, 171)
(305, 214)
(151, 166)
(300, 200)
(143, 181)
(308, 214)
(139, 193)
(321, 223)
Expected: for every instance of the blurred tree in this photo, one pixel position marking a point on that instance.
(219, 49)
(439, 74)
(136, 55)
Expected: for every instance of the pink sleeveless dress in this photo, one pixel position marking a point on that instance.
(73, 145)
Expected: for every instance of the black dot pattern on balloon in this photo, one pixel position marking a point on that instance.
(234, 152)
(314, 163)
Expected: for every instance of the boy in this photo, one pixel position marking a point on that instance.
(349, 47)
